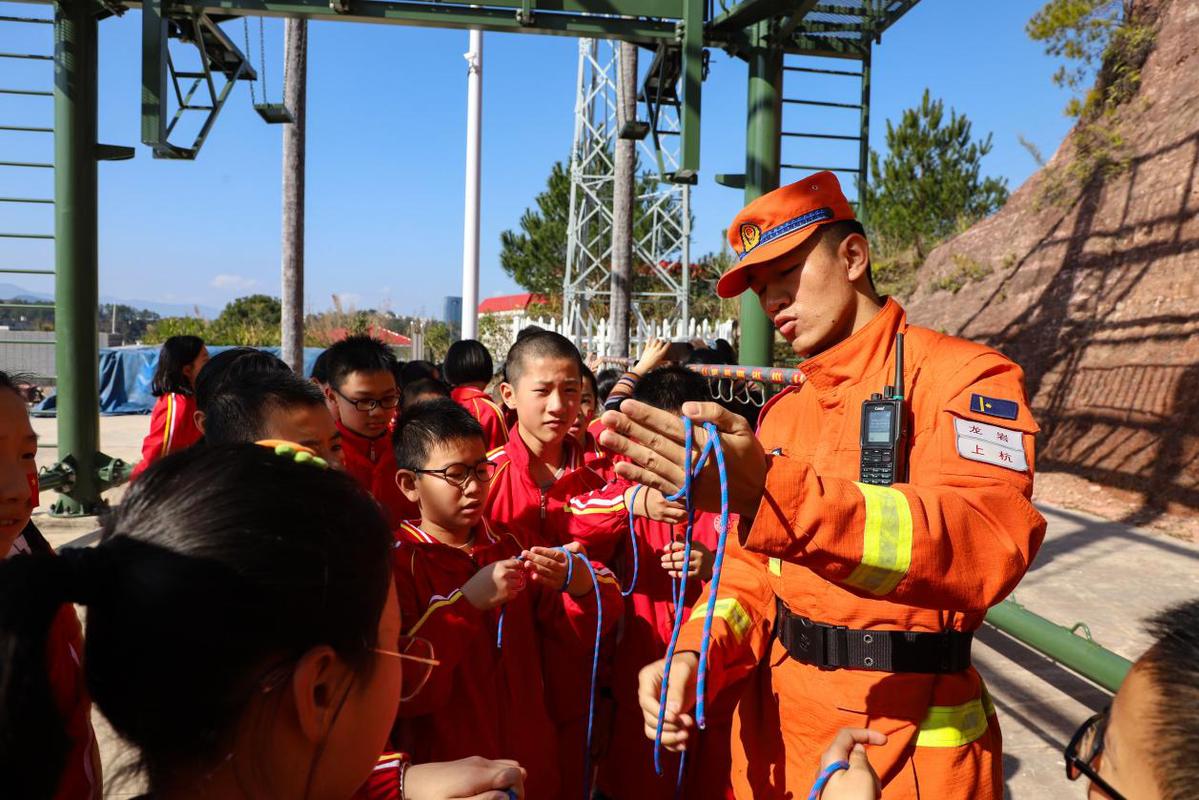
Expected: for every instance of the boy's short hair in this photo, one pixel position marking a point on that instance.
(668, 388)
(605, 380)
(417, 370)
(411, 393)
(239, 412)
(359, 353)
(542, 344)
(427, 424)
(468, 361)
(320, 368)
(229, 367)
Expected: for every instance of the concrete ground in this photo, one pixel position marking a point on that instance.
(1106, 574)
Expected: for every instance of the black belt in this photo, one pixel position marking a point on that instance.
(838, 647)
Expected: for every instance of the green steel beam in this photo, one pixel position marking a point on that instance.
(21, 271)
(692, 78)
(1077, 653)
(154, 74)
(27, 92)
(864, 140)
(763, 119)
(889, 18)
(750, 12)
(77, 291)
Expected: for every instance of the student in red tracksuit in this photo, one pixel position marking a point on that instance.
(538, 471)
(80, 777)
(601, 526)
(468, 369)
(172, 422)
(362, 386)
(464, 586)
(585, 431)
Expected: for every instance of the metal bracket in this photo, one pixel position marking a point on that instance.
(339, 6)
(61, 477)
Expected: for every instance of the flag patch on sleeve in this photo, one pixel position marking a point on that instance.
(994, 407)
(990, 444)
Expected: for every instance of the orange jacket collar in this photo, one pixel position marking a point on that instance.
(866, 352)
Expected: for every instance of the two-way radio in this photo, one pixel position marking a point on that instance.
(883, 434)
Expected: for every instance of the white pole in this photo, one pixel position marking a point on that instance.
(470, 229)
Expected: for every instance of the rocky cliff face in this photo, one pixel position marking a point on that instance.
(1089, 279)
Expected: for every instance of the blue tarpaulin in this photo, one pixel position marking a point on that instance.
(126, 374)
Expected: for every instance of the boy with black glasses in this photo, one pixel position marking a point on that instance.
(485, 602)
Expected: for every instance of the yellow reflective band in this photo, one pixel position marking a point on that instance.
(886, 540)
(955, 726)
(729, 610)
(775, 566)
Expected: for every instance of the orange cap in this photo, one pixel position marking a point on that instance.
(780, 221)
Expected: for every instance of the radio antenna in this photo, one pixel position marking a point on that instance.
(898, 367)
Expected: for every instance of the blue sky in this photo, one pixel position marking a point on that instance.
(386, 151)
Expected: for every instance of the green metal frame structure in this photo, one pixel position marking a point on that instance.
(761, 32)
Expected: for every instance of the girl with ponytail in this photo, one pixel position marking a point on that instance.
(45, 680)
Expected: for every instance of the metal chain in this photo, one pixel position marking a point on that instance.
(246, 30)
(262, 59)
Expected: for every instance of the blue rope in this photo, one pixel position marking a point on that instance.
(722, 533)
(499, 626)
(691, 469)
(599, 626)
(825, 775)
(632, 542)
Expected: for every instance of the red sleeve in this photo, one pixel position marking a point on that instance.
(384, 782)
(448, 621)
(81, 778)
(599, 520)
(492, 420)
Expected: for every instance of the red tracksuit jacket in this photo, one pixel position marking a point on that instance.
(172, 428)
(599, 521)
(483, 699)
(595, 456)
(372, 463)
(486, 411)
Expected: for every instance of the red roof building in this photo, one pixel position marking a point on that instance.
(511, 303)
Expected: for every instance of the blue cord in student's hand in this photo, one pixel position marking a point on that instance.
(499, 627)
(599, 627)
(632, 541)
(825, 775)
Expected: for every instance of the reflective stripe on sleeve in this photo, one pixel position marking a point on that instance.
(886, 540)
(955, 726)
(731, 611)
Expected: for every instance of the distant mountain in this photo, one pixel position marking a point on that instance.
(11, 291)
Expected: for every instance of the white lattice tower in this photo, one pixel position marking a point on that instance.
(664, 245)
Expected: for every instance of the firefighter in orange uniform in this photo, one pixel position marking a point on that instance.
(849, 596)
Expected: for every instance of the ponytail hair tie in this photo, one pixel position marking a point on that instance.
(81, 571)
(296, 452)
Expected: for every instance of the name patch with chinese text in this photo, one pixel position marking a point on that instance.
(990, 444)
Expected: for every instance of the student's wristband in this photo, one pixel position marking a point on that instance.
(825, 775)
(403, 774)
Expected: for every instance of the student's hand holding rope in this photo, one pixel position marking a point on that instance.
(653, 440)
(678, 724)
(495, 584)
(548, 566)
(652, 504)
(858, 780)
(702, 560)
(473, 778)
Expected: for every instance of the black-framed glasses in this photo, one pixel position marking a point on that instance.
(459, 474)
(1084, 750)
(370, 404)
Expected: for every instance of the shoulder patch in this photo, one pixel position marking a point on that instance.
(994, 407)
(990, 444)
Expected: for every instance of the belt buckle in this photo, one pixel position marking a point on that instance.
(807, 641)
(836, 647)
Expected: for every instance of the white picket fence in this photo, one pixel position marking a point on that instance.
(597, 338)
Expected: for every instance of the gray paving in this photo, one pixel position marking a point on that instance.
(1109, 575)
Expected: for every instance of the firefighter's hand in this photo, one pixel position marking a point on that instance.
(652, 504)
(859, 782)
(700, 564)
(473, 778)
(495, 584)
(653, 440)
(678, 724)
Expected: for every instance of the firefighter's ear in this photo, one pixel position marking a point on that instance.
(508, 394)
(854, 251)
(406, 481)
(198, 418)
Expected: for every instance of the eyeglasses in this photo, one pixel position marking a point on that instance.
(1084, 750)
(419, 653)
(370, 404)
(459, 474)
